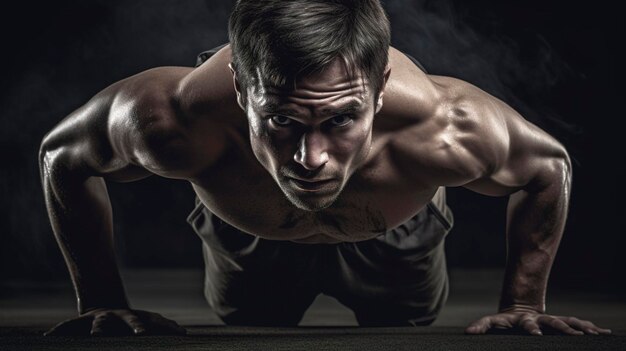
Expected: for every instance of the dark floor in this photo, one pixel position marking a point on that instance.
(28, 309)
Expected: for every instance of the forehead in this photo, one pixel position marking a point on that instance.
(334, 87)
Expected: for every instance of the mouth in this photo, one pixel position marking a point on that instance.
(313, 185)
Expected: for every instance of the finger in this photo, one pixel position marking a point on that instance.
(586, 326)
(501, 322)
(530, 326)
(134, 323)
(99, 322)
(559, 325)
(75, 326)
(479, 327)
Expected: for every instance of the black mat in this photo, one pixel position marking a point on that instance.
(312, 338)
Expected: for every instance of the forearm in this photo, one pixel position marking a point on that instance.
(80, 213)
(535, 222)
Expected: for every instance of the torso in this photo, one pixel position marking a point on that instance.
(381, 195)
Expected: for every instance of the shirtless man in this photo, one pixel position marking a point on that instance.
(306, 182)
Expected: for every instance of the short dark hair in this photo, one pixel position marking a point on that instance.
(286, 39)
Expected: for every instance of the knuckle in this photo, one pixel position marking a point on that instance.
(502, 322)
(555, 323)
(527, 322)
(542, 317)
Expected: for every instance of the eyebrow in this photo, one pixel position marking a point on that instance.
(349, 108)
(274, 107)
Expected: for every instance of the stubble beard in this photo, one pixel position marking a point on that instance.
(311, 203)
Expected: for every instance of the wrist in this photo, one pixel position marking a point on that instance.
(522, 308)
(85, 306)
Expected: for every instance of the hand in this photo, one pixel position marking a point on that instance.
(108, 322)
(532, 322)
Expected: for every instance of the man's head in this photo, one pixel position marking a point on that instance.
(310, 75)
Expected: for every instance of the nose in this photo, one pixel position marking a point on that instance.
(311, 152)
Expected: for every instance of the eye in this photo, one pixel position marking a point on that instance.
(340, 121)
(281, 121)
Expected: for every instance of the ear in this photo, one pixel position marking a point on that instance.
(379, 100)
(237, 86)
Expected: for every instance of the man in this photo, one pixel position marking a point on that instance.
(306, 181)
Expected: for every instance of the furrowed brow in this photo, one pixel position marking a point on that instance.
(349, 108)
(272, 107)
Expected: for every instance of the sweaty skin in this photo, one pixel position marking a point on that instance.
(252, 155)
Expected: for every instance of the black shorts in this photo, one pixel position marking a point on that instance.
(398, 278)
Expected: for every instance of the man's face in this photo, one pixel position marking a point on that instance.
(312, 139)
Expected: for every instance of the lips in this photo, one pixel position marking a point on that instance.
(313, 185)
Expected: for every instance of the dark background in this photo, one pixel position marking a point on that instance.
(556, 63)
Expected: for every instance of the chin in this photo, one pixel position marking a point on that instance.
(312, 202)
(310, 206)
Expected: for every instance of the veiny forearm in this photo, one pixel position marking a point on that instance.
(535, 221)
(80, 213)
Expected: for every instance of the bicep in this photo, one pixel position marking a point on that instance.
(81, 145)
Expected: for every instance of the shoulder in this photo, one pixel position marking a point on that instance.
(496, 149)
(476, 140)
(150, 126)
(460, 133)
